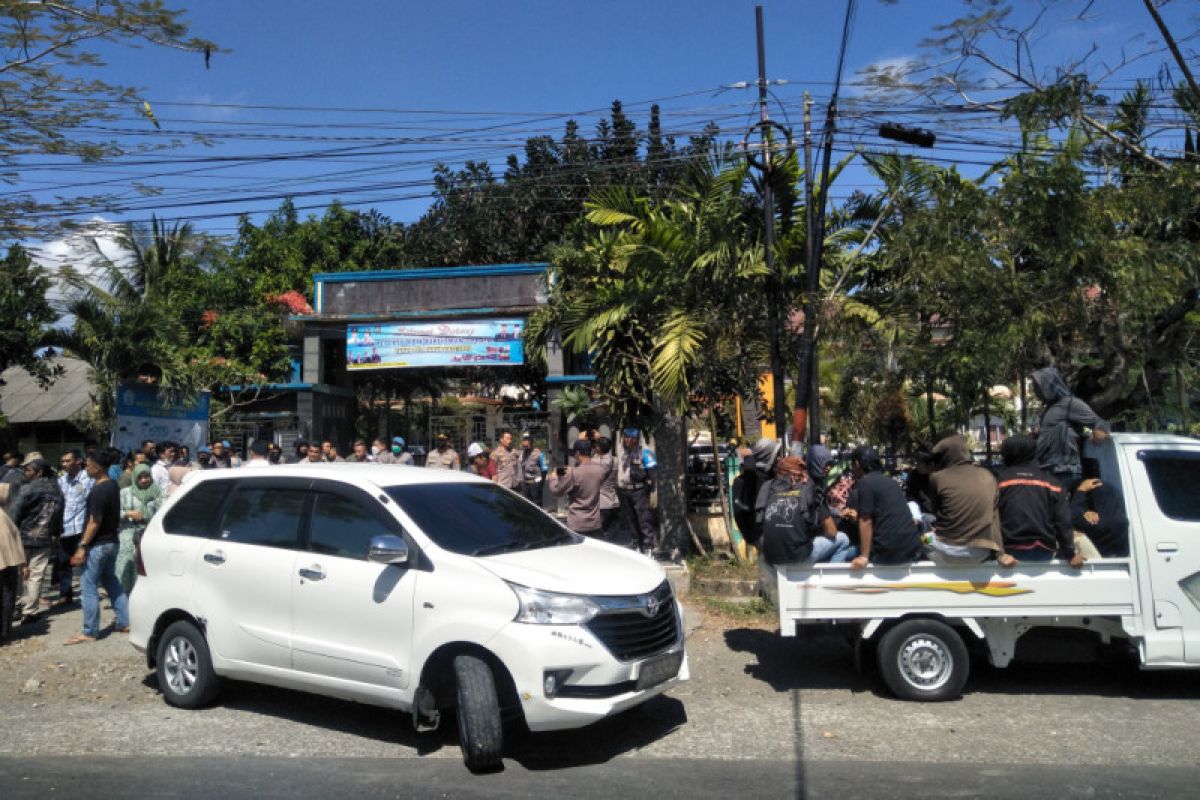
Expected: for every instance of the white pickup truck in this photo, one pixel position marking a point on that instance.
(917, 615)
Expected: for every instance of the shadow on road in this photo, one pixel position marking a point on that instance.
(1051, 662)
(595, 744)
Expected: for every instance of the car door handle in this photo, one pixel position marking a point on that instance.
(215, 558)
(1167, 547)
(314, 574)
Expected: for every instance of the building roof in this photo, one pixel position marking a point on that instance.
(23, 401)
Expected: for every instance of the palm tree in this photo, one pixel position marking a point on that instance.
(122, 325)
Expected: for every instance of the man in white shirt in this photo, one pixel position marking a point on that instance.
(160, 471)
(258, 455)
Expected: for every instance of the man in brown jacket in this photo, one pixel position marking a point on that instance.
(967, 527)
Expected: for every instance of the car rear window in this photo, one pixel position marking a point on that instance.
(478, 519)
(1175, 479)
(196, 513)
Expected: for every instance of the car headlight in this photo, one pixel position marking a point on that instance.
(552, 608)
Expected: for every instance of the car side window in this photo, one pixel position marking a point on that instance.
(264, 516)
(1175, 479)
(343, 527)
(195, 514)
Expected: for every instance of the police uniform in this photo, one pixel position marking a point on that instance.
(507, 469)
(531, 467)
(443, 459)
(635, 478)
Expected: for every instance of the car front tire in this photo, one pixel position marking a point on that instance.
(480, 731)
(185, 672)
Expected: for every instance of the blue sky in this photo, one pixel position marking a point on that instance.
(474, 79)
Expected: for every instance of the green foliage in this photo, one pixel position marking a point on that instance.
(24, 314)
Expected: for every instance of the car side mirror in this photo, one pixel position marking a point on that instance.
(388, 549)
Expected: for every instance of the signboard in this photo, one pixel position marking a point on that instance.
(493, 343)
(142, 415)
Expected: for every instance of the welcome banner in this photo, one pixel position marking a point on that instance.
(493, 342)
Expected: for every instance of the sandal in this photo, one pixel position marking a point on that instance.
(79, 638)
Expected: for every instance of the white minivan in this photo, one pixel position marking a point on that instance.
(420, 590)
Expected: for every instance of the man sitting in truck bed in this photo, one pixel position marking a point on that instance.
(886, 527)
(1098, 510)
(967, 526)
(1035, 511)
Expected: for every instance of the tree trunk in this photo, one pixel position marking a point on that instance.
(1024, 406)
(987, 425)
(931, 412)
(719, 469)
(671, 443)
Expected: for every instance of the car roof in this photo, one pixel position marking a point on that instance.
(378, 474)
(1152, 438)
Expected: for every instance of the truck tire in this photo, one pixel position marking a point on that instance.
(923, 659)
(480, 732)
(185, 672)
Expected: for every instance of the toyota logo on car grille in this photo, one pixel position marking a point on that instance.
(652, 604)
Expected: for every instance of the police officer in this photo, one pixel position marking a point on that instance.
(635, 479)
(443, 456)
(581, 486)
(531, 466)
(505, 460)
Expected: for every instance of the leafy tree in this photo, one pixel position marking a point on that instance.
(48, 78)
(24, 314)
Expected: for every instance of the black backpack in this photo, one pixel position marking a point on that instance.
(789, 522)
(745, 492)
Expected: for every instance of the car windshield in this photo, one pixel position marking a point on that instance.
(477, 519)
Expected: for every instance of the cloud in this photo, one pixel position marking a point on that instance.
(77, 253)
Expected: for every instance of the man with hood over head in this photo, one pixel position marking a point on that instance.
(1065, 423)
(967, 521)
(757, 469)
(1035, 512)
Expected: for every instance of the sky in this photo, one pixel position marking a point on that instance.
(357, 99)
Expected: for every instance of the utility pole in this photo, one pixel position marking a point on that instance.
(773, 284)
(806, 378)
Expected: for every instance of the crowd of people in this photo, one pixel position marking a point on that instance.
(90, 512)
(1044, 502)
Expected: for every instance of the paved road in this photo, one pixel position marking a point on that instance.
(777, 717)
(231, 777)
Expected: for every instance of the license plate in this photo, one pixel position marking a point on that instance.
(658, 669)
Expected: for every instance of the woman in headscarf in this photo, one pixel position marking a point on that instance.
(139, 503)
(13, 568)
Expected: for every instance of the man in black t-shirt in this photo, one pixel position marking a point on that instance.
(98, 552)
(887, 530)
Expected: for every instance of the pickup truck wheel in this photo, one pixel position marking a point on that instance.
(185, 672)
(480, 731)
(923, 659)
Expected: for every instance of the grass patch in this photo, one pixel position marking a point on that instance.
(758, 608)
(706, 567)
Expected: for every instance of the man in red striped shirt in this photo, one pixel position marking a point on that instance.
(1035, 509)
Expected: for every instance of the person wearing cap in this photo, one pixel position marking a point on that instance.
(581, 485)
(204, 457)
(40, 521)
(258, 455)
(479, 462)
(443, 455)
(400, 455)
(636, 468)
(505, 462)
